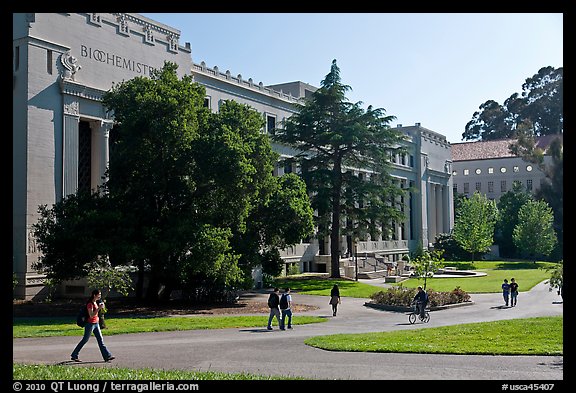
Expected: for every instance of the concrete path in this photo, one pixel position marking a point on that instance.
(259, 351)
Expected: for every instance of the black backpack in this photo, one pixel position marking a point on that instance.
(82, 316)
(284, 301)
(273, 300)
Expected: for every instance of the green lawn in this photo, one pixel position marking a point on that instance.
(531, 336)
(88, 373)
(527, 274)
(61, 326)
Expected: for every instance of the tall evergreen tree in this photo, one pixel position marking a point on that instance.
(334, 136)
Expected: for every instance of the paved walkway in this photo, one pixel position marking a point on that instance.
(259, 351)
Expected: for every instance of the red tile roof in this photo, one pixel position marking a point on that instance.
(491, 149)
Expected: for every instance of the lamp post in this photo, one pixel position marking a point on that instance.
(356, 257)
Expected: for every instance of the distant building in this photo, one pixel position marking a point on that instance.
(489, 168)
(63, 63)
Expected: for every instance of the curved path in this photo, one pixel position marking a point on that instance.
(259, 351)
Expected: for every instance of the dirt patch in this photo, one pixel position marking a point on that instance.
(247, 304)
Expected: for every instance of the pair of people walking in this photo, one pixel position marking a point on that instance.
(510, 292)
(280, 307)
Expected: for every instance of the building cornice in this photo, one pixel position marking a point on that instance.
(227, 78)
(72, 88)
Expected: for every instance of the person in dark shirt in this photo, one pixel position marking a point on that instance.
(513, 292)
(421, 299)
(506, 291)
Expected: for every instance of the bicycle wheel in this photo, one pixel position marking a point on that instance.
(426, 318)
(412, 318)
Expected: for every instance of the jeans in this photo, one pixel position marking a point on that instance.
(286, 312)
(274, 312)
(88, 329)
(420, 309)
(513, 298)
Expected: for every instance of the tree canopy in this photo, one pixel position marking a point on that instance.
(181, 188)
(335, 136)
(474, 225)
(540, 104)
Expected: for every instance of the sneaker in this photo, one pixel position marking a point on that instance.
(289, 327)
(110, 358)
(269, 328)
(282, 329)
(75, 359)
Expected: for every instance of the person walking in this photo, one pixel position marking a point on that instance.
(93, 325)
(513, 292)
(506, 291)
(335, 299)
(286, 309)
(274, 305)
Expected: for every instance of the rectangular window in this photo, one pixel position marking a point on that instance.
(490, 170)
(16, 58)
(529, 185)
(503, 186)
(478, 186)
(270, 124)
(49, 61)
(455, 188)
(466, 188)
(466, 172)
(490, 186)
(208, 102)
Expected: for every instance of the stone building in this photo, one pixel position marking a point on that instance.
(64, 62)
(491, 169)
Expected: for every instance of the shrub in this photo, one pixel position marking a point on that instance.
(400, 296)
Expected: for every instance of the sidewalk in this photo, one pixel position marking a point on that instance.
(259, 351)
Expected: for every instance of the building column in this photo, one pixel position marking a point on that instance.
(432, 214)
(70, 146)
(105, 127)
(439, 210)
(446, 209)
(100, 153)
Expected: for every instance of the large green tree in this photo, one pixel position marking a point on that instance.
(534, 234)
(183, 183)
(334, 136)
(474, 225)
(541, 103)
(509, 205)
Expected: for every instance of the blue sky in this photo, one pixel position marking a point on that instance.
(430, 68)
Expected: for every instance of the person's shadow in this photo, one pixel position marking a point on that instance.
(80, 362)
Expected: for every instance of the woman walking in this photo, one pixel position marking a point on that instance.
(334, 299)
(93, 325)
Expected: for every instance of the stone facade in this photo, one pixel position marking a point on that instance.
(64, 62)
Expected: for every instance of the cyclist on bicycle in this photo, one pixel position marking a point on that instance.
(421, 299)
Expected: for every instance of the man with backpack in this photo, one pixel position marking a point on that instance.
(274, 305)
(285, 307)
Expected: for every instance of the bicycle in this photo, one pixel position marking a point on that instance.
(416, 314)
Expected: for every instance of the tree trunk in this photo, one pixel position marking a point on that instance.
(140, 281)
(335, 230)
